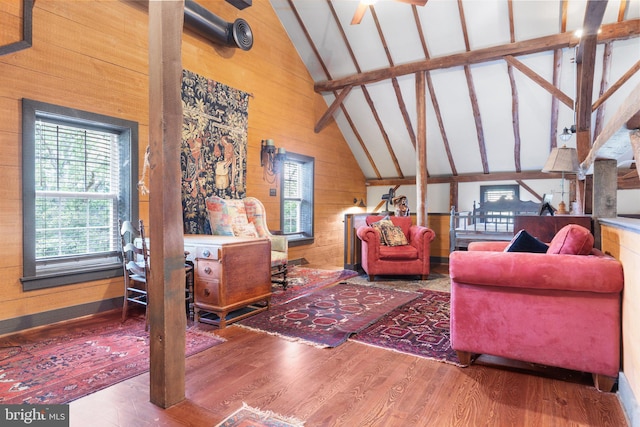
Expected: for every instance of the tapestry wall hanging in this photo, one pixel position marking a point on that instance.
(213, 158)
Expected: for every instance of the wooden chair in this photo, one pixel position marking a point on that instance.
(135, 262)
(135, 259)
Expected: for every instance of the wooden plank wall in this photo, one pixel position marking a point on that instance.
(93, 56)
(623, 244)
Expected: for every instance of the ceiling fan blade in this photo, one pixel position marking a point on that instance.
(416, 2)
(357, 17)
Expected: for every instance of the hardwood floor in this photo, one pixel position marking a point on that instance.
(352, 385)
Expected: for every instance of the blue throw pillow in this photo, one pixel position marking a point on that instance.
(525, 242)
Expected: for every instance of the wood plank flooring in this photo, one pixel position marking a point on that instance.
(351, 385)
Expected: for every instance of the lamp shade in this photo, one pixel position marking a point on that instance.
(563, 159)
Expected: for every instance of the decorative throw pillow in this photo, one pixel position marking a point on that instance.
(393, 236)
(525, 242)
(381, 226)
(246, 230)
(572, 239)
(218, 216)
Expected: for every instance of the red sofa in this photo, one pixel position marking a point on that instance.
(411, 258)
(556, 308)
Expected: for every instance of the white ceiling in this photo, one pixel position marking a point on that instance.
(487, 23)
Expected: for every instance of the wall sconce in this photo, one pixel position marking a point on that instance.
(567, 132)
(271, 159)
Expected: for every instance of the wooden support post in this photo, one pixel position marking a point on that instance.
(421, 150)
(167, 285)
(605, 190)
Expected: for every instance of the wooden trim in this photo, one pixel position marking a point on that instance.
(27, 24)
(46, 318)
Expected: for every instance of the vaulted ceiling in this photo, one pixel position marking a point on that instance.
(501, 79)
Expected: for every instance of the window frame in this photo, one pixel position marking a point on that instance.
(308, 169)
(76, 271)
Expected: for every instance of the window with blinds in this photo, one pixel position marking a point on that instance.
(77, 186)
(297, 198)
(79, 180)
(493, 193)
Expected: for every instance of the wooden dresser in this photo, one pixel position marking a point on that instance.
(232, 277)
(546, 226)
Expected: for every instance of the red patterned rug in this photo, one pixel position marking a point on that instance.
(328, 317)
(61, 369)
(302, 281)
(420, 328)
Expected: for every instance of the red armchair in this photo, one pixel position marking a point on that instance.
(411, 258)
(560, 308)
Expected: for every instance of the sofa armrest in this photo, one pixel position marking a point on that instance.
(494, 246)
(588, 273)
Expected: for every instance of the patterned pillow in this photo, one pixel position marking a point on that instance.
(381, 226)
(393, 236)
(248, 230)
(218, 216)
(225, 214)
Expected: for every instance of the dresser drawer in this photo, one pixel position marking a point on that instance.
(208, 293)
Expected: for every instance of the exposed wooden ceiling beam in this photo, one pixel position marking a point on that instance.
(625, 181)
(629, 107)
(553, 90)
(557, 68)
(328, 74)
(432, 94)
(515, 107)
(328, 115)
(477, 117)
(604, 84)
(614, 87)
(476, 177)
(394, 81)
(586, 59)
(618, 31)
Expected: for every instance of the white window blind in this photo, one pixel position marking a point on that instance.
(292, 197)
(77, 184)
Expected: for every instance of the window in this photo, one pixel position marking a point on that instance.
(493, 193)
(79, 180)
(296, 199)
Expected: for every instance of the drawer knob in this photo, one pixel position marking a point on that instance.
(206, 292)
(207, 270)
(206, 253)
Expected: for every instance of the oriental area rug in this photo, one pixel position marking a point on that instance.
(327, 317)
(64, 368)
(247, 416)
(302, 281)
(420, 328)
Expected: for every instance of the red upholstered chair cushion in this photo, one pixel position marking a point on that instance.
(572, 239)
(402, 253)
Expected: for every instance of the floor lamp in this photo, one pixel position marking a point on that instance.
(562, 160)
